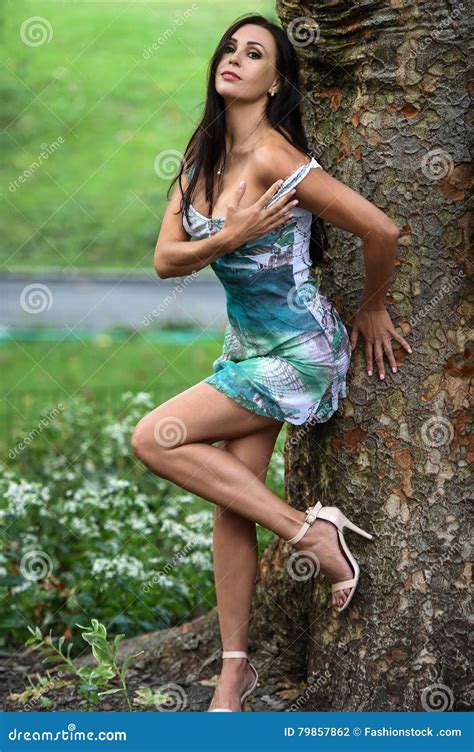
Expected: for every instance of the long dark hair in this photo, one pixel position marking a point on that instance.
(206, 147)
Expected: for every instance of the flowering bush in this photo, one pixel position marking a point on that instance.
(88, 531)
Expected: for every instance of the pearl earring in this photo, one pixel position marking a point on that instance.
(272, 93)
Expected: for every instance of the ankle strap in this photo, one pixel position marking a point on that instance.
(234, 654)
(311, 515)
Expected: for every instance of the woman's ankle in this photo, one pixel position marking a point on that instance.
(293, 523)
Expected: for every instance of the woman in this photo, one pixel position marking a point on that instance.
(286, 350)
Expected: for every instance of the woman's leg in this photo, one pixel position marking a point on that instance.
(175, 441)
(235, 567)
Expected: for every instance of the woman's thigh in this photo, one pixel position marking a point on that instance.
(199, 414)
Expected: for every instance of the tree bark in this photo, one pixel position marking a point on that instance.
(386, 112)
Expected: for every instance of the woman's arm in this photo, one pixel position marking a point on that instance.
(175, 254)
(342, 207)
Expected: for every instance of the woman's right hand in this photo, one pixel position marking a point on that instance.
(243, 225)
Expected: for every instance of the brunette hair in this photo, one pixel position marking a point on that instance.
(206, 147)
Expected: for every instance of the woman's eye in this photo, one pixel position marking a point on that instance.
(252, 52)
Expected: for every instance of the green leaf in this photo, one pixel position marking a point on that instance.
(111, 691)
(126, 664)
(100, 654)
(118, 638)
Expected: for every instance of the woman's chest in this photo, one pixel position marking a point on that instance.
(226, 192)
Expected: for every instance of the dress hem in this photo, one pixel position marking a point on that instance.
(339, 392)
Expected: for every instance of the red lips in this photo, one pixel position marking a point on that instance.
(231, 73)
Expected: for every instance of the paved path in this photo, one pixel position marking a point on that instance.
(94, 303)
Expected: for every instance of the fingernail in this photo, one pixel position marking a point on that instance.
(394, 369)
(410, 350)
(242, 183)
(382, 375)
(370, 373)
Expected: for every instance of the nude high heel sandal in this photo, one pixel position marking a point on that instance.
(334, 515)
(238, 654)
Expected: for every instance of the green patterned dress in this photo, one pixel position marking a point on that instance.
(286, 350)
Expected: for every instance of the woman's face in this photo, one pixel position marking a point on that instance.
(251, 55)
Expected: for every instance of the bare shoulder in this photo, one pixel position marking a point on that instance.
(274, 159)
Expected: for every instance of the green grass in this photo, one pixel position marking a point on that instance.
(136, 361)
(96, 200)
(38, 374)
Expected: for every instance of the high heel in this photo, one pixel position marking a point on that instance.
(238, 654)
(334, 515)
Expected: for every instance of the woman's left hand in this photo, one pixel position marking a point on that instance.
(377, 328)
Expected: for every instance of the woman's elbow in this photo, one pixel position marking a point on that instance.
(393, 231)
(385, 232)
(160, 266)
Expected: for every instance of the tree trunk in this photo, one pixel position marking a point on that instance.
(386, 112)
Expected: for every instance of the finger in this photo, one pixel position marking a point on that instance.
(379, 359)
(282, 215)
(234, 204)
(402, 341)
(268, 194)
(368, 357)
(354, 336)
(387, 346)
(283, 202)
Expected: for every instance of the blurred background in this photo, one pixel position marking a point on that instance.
(99, 100)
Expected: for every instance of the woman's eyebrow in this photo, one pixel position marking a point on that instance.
(233, 39)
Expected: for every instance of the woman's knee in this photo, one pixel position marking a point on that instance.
(147, 447)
